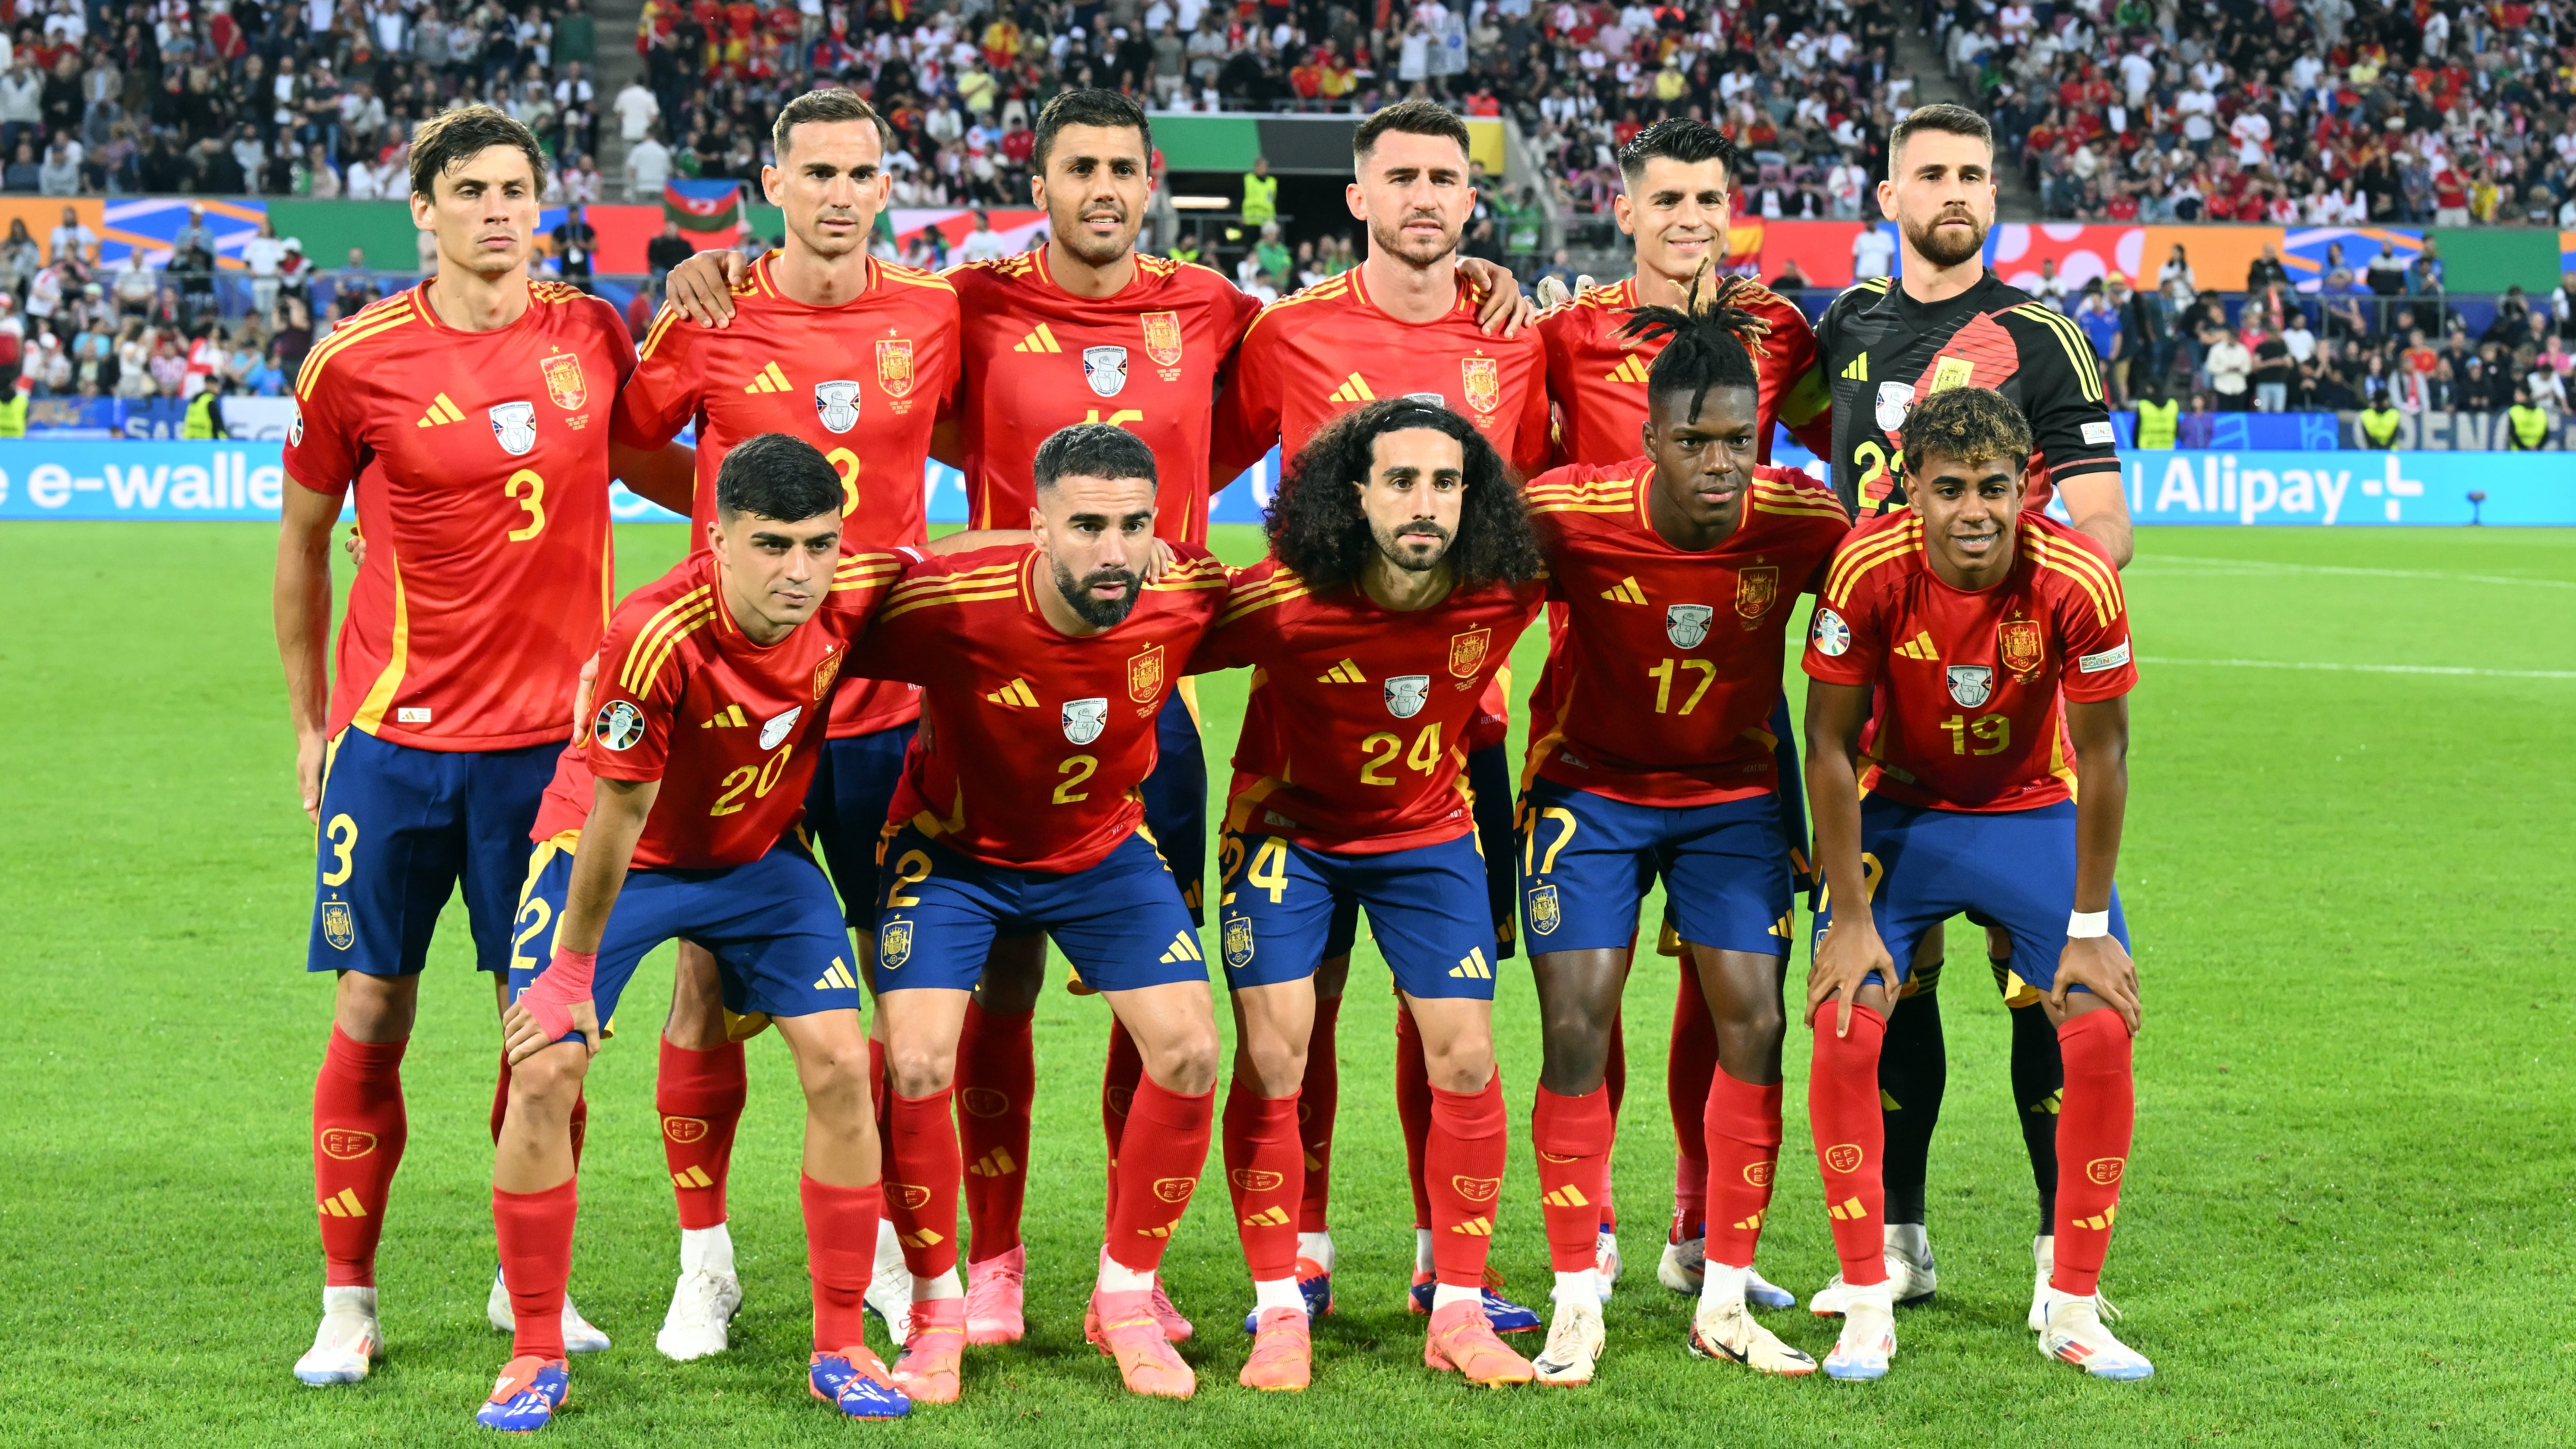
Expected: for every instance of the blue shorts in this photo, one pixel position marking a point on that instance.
(1426, 909)
(845, 812)
(401, 828)
(1489, 775)
(1587, 860)
(2014, 870)
(1176, 800)
(773, 926)
(1792, 794)
(1121, 922)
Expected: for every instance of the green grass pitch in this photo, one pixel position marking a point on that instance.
(2347, 1220)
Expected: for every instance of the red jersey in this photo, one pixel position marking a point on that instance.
(1354, 736)
(1055, 733)
(1967, 714)
(1597, 378)
(783, 367)
(731, 728)
(1314, 355)
(481, 465)
(1660, 689)
(1039, 358)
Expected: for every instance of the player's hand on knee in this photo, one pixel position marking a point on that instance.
(526, 1032)
(1850, 951)
(309, 750)
(2101, 965)
(702, 286)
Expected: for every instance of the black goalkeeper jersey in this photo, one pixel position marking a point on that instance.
(1884, 352)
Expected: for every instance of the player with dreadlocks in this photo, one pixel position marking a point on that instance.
(1679, 571)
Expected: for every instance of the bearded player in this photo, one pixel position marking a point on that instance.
(1967, 742)
(1043, 666)
(466, 413)
(1400, 325)
(1401, 571)
(1947, 321)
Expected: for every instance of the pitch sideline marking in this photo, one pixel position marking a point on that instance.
(2254, 565)
(2365, 668)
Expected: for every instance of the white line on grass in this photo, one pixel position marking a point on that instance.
(2256, 565)
(2365, 668)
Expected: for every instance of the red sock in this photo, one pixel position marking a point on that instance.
(501, 1109)
(1118, 1078)
(1741, 1125)
(1158, 1171)
(1413, 1108)
(841, 1254)
(1842, 1111)
(358, 1135)
(1690, 1063)
(699, 1095)
(1572, 1138)
(1319, 1099)
(997, 1088)
(1615, 1081)
(534, 1230)
(921, 1173)
(2096, 1113)
(1464, 1158)
(1265, 1172)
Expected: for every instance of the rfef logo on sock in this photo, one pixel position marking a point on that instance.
(347, 1144)
(684, 1130)
(1175, 1189)
(914, 1198)
(1759, 1173)
(1253, 1179)
(2105, 1170)
(1844, 1157)
(1477, 1189)
(983, 1102)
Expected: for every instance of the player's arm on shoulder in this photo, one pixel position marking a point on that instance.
(558, 1003)
(300, 602)
(2098, 506)
(1501, 310)
(1247, 412)
(2093, 958)
(702, 286)
(1851, 949)
(2071, 425)
(668, 475)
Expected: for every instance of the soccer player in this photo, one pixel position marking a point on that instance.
(670, 820)
(1043, 667)
(1978, 651)
(1401, 324)
(1946, 322)
(462, 412)
(858, 357)
(1678, 571)
(1401, 571)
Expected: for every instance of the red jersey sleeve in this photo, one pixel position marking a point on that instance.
(1846, 640)
(662, 395)
(638, 689)
(1247, 416)
(2092, 616)
(326, 442)
(860, 583)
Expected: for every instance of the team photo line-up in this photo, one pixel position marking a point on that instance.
(828, 756)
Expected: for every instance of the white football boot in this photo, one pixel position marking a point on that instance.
(2071, 1330)
(707, 1297)
(346, 1344)
(890, 1285)
(1910, 1276)
(1868, 1339)
(1575, 1338)
(1685, 1266)
(1722, 1329)
(578, 1335)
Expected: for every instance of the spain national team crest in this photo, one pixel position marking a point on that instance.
(1406, 694)
(1105, 368)
(1687, 624)
(836, 403)
(826, 672)
(2018, 642)
(515, 424)
(564, 381)
(894, 366)
(1755, 590)
(1971, 684)
(1163, 337)
(1145, 675)
(1467, 652)
(1238, 943)
(1482, 378)
(338, 926)
(1084, 719)
(894, 944)
(1544, 913)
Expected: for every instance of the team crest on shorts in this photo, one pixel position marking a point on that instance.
(338, 926)
(1467, 652)
(894, 366)
(837, 404)
(776, 730)
(515, 424)
(1084, 719)
(1971, 684)
(1238, 943)
(1482, 378)
(1687, 624)
(1162, 337)
(1406, 694)
(619, 725)
(826, 672)
(563, 381)
(1895, 400)
(894, 944)
(1544, 914)
(1145, 675)
(2018, 642)
(345, 1144)
(1105, 368)
(1755, 589)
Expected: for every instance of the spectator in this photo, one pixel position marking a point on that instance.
(1260, 194)
(2229, 367)
(2272, 373)
(636, 110)
(260, 254)
(666, 251)
(982, 244)
(648, 165)
(2050, 289)
(71, 239)
(59, 173)
(1873, 253)
(2266, 270)
(574, 241)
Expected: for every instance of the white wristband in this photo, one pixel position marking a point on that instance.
(2083, 924)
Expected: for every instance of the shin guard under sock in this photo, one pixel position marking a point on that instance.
(534, 1231)
(1319, 1100)
(1158, 1168)
(840, 1254)
(997, 1085)
(921, 1175)
(358, 1134)
(1571, 1136)
(1265, 1176)
(1742, 1126)
(700, 1096)
(1843, 1113)
(1463, 1154)
(2093, 1128)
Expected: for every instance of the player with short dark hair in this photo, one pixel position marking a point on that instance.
(676, 817)
(996, 829)
(1678, 572)
(1889, 343)
(466, 414)
(1967, 739)
(1402, 568)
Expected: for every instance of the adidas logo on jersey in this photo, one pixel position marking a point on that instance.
(1472, 967)
(1185, 947)
(838, 978)
(1631, 368)
(996, 1163)
(1353, 390)
(729, 717)
(1919, 647)
(768, 379)
(1626, 591)
(1859, 369)
(442, 409)
(1345, 672)
(1016, 695)
(1040, 340)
